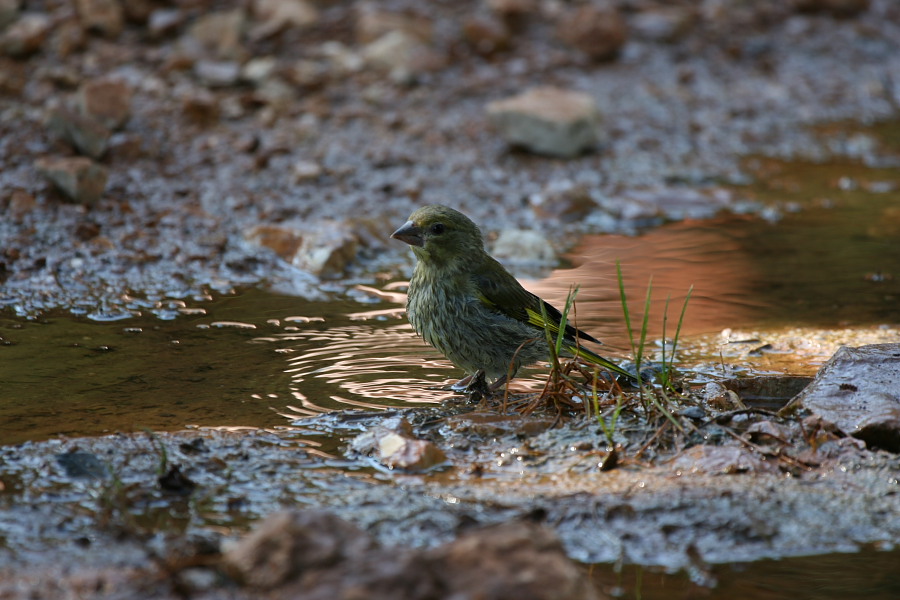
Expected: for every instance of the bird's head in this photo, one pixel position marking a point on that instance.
(441, 235)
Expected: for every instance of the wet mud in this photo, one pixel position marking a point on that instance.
(156, 404)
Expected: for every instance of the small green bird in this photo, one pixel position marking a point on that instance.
(471, 309)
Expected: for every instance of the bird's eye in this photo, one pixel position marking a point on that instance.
(437, 228)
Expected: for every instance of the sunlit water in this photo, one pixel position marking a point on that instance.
(828, 257)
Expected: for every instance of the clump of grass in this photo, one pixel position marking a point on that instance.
(574, 387)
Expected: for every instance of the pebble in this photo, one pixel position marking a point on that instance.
(523, 246)
(87, 135)
(106, 100)
(486, 34)
(164, 21)
(25, 35)
(103, 16)
(598, 32)
(218, 73)
(9, 12)
(276, 16)
(219, 34)
(79, 178)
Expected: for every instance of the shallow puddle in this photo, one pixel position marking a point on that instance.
(869, 574)
(828, 258)
(823, 269)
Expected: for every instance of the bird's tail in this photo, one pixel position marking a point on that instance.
(596, 359)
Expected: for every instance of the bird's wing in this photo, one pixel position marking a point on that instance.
(500, 291)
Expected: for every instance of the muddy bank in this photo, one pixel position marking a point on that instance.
(218, 144)
(740, 483)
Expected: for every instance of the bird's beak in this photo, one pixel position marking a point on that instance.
(409, 233)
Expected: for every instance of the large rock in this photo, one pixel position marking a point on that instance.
(549, 121)
(858, 390)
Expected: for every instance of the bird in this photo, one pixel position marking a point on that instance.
(466, 305)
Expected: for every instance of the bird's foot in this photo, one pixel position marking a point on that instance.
(477, 388)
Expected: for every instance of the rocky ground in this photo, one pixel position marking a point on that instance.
(175, 148)
(157, 150)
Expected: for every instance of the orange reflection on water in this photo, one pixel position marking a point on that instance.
(710, 255)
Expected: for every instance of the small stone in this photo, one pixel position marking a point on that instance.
(513, 560)
(79, 178)
(279, 15)
(513, 12)
(767, 432)
(281, 240)
(219, 33)
(26, 35)
(564, 201)
(103, 16)
(164, 21)
(9, 12)
(598, 32)
(549, 121)
(306, 170)
(341, 59)
(662, 24)
(68, 37)
(487, 35)
(720, 398)
(218, 73)
(138, 11)
(395, 51)
(522, 246)
(722, 460)
(257, 70)
(327, 251)
(392, 444)
(106, 100)
(201, 107)
(287, 545)
(87, 135)
(306, 73)
(373, 23)
(20, 204)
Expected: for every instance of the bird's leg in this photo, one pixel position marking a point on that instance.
(497, 385)
(477, 387)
